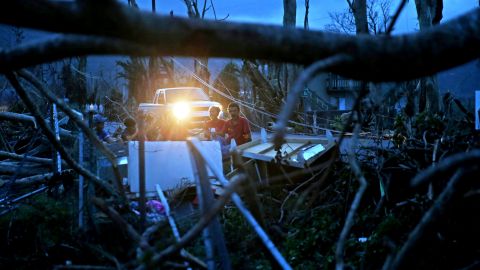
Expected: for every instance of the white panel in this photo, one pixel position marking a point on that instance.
(167, 163)
(477, 109)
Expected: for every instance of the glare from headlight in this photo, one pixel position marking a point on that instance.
(181, 110)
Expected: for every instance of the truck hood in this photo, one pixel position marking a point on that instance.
(203, 103)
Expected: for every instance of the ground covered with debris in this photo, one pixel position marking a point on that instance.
(420, 220)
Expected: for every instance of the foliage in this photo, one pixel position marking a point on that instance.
(144, 76)
(310, 244)
(337, 123)
(74, 81)
(135, 71)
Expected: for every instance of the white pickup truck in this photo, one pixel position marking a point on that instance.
(187, 104)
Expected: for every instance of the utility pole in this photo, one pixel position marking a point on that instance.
(141, 170)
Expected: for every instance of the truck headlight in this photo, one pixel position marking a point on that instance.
(181, 110)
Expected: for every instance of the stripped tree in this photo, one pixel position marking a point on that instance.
(429, 13)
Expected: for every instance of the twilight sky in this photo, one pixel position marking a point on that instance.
(271, 11)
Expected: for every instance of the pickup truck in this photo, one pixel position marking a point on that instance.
(185, 105)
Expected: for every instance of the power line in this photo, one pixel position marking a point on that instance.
(245, 104)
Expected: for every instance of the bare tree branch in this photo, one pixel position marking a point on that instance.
(395, 17)
(213, 8)
(305, 18)
(350, 5)
(204, 9)
(190, 11)
(201, 224)
(125, 226)
(446, 167)
(297, 89)
(339, 251)
(427, 220)
(378, 58)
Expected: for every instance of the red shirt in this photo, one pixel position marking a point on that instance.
(239, 131)
(218, 124)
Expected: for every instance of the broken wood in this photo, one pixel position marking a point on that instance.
(40, 178)
(11, 116)
(27, 119)
(52, 138)
(46, 161)
(18, 169)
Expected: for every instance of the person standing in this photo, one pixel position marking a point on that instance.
(236, 127)
(130, 133)
(214, 125)
(99, 122)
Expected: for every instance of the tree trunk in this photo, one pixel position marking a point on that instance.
(288, 71)
(429, 12)
(360, 15)
(305, 20)
(200, 64)
(289, 13)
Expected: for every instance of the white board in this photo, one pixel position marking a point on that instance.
(477, 110)
(167, 163)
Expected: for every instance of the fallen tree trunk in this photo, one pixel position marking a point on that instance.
(27, 119)
(11, 168)
(10, 116)
(46, 161)
(34, 179)
(40, 178)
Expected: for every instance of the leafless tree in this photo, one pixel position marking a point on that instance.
(359, 9)
(429, 14)
(361, 17)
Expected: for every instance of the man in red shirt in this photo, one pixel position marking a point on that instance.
(214, 125)
(237, 127)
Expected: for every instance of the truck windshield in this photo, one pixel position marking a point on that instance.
(190, 94)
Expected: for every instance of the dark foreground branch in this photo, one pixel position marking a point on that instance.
(340, 249)
(52, 138)
(446, 167)
(80, 123)
(202, 223)
(444, 199)
(124, 225)
(375, 58)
